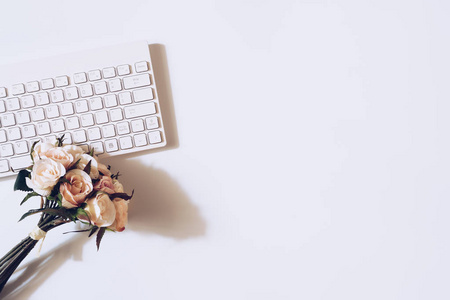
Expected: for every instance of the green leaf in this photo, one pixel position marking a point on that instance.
(59, 199)
(28, 196)
(82, 212)
(20, 184)
(100, 234)
(93, 230)
(60, 140)
(82, 230)
(87, 169)
(62, 212)
(123, 196)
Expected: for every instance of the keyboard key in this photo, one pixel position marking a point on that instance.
(21, 147)
(123, 128)
(3, 93)
(3, 136)
(96, 103)
(57, 125)
(79, 77)
(94, 75)
(94, 134)
(98, 147)
(116, 114)
(67, 109)
(2, 106)
(125, 98)
(81, 106)
(12, 104)
(27, 101)
(47, 84)
(141, 66)
(110, 100)
(101, 117)
(108, 131)
(57, 96)
(143, 94)
(51, 139)
(137, 125)
(111, 145)
(152, 123)
(100, 88)
(73, 123)
(43, 99)
(79, 136)
(8, 120)
(18, 89)
(23, 117)
(115, 85)
(20, 162)
(123, 70)
(140, 110)
(136, 81)
(71, 93)
(14, 133)
(4, 166)
(154, 137)
(43, 128)
(62, 81)
(6, 150)
(140, 140)
(87, 120)
(28, 131)
(52, 111)
(125, 142)
(86, 90)
(109, 72)
(32, 86)
(37, 114)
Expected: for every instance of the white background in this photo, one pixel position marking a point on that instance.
(310, 154)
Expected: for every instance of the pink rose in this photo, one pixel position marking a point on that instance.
(76, 190)
(105, 184)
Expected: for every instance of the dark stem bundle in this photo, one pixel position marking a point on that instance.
(12, 259)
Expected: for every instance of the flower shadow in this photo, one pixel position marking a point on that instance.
(159, 207)
(29, 277)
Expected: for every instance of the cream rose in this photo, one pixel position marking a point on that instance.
(75, 151)
(40, 149)
(74, 191)
(84, 160)
(121, 219)
(60, 155)
(45, 174)
(101, 210)
(118, 187)
(105, 184)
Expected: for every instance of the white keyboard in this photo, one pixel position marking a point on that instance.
(105, 99)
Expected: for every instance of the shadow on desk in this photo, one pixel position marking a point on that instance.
(159, 207)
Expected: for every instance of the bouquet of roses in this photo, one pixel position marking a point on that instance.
(74, 187)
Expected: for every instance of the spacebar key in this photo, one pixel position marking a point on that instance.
(140, 110)
(20, 162)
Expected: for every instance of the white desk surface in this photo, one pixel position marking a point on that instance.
(313, 157)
